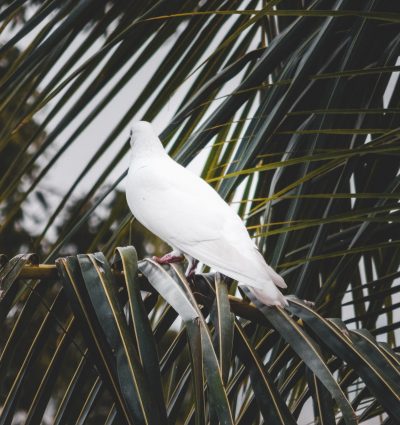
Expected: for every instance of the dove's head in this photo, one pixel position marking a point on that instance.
(144, 141)
(141, 130)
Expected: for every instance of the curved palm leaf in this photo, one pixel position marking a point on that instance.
(97, 333)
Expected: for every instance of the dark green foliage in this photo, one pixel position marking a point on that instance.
(112, 336)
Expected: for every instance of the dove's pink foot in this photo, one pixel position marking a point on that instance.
(169, 258)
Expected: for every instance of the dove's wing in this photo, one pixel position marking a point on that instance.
(173, 203)
(187, 213)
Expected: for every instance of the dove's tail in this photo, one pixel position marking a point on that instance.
(270, 295)
(273, 275)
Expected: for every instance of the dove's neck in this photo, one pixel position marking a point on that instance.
(147, 148)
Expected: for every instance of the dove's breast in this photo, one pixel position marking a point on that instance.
(141, 190)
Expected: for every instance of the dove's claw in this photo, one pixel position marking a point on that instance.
(310, 304)
(168, 258)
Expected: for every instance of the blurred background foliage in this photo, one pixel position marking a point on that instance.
(290, 109)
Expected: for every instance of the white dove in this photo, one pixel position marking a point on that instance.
(190, 216)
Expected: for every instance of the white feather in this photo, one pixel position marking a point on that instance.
(188, 214)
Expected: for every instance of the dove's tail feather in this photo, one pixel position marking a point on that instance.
(274, 276)
(271, 295)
